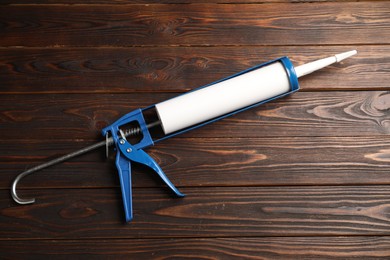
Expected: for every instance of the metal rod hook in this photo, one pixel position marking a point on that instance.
(14, 195)
(22, 201)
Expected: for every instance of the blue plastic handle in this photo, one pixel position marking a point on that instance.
(127, 153)
(124, 170)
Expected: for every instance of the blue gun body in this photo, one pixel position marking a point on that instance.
(127, 152)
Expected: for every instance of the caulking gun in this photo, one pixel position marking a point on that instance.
(142, 128)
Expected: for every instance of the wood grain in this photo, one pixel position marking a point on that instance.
(205, 212)
(122, 2)
(129, 25)
(304, 177)
(205, 248)
(211, 162)
(302, 114)
(177, 69)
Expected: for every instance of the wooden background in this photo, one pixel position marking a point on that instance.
(302, 177)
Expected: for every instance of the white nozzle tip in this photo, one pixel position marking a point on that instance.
(319, 64)
(344, 55)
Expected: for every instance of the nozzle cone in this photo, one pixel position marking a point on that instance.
(319, 64)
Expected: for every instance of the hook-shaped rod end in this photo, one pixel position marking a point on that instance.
(19, 200)
(14, 195)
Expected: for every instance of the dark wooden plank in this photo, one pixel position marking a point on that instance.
(364, 247)
(205, 212)
(168, 69)
(121, 2)
(210, 162)
(262, 24)
(52, 117)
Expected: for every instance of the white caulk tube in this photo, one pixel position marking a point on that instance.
(237, 93)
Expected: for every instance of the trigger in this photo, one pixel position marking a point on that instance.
(153, 164)
(149, 161)
(141, 157)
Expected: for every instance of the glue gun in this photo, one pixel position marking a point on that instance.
(144, 127)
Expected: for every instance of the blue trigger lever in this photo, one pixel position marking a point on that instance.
(127, 153)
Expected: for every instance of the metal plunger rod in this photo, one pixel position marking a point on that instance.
(108, 142)
(300, 71)
(47, 164)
